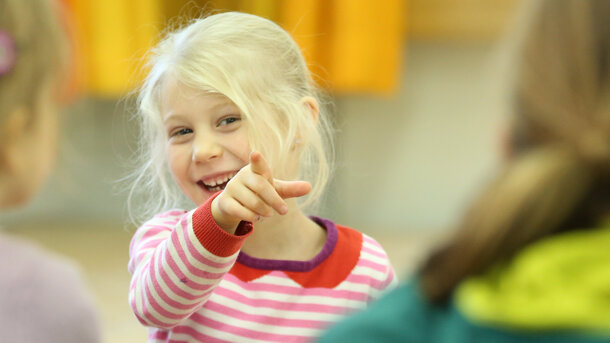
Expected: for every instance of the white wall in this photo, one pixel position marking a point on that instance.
(411, 162)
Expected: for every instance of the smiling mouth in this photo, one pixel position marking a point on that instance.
(217, 184)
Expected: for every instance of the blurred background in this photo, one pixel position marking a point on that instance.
(419, 90)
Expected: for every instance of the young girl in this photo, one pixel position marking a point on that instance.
(530, 261)
(42, 296)
(229, 112)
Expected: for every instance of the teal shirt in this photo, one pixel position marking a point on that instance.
(403, 315)
(555, 290)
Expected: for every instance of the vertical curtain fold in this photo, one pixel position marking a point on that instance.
(352, 46)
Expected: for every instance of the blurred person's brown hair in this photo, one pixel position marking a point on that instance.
(557, 176)
(32, 63)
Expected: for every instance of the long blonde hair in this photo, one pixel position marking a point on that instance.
(258, 66)
(558, 176)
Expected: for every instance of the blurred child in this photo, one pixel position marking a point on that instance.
(531, 259)
(230, 113)
(42, 297)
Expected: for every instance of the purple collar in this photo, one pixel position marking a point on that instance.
(296, 266)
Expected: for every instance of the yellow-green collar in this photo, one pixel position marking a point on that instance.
(562, 282)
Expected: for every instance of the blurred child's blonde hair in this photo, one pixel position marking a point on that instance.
(40, 51)
(257, 65)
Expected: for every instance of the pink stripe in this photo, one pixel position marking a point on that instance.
(149, 318)
(158, 334)
(268, 320)
(160, 310)
(170, 213)
(201, 258)
(373, 265)
(280, 305)
(177, 291)
(200, 337)
(200, 273)
(153, 230)
(373, 252)
(389, 279)
(253, 334)
(371, 241)
(194, 270)
(366, 280)
(149, 232)
(151, 244)
(132, 303)
(269, 287)
(156, 306)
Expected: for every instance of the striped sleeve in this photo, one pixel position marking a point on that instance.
(377, 261)
(176, 261)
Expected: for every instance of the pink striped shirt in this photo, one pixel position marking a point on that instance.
(191, 283)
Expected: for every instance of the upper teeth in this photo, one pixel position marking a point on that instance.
(220, 180)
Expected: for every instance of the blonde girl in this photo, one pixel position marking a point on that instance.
(231, 120)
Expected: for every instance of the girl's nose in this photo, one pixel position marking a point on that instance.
(206, 149)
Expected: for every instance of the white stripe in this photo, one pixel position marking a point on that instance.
(368, 273)
(280, 279)
(372, 244)
(186, 271)
(292, 299)
(370, 257)
(153, 313)
(227, 336)
(273, 312)
(265, 328)
(181, 285)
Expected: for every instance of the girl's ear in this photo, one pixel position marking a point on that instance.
(312, 106)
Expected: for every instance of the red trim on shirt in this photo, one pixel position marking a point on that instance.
(328, 274)
(213, 237)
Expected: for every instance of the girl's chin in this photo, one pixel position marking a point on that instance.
(202, 196)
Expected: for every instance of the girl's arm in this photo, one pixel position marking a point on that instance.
(176, 261)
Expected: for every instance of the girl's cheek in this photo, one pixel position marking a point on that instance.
(176, 159)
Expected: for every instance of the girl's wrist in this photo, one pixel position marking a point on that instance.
(227, 223)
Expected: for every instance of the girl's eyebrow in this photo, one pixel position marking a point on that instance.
(172, 116)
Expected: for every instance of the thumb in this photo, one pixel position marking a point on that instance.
(291, 189)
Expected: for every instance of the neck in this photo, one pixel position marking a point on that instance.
(292, 236)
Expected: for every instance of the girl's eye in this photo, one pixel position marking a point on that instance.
(181, 132)
(228, 120)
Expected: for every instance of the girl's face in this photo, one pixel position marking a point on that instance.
(207, 142)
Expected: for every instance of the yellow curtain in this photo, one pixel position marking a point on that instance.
(352, 46)
(355, 45)
(111, 37)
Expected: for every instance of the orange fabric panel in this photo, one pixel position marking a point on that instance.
(111, 36)
(351, 45)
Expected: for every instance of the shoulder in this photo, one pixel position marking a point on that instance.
(40, 287)
(355, 240)
(166, 218)
(357, 258)
(164, 221)
(371, 257)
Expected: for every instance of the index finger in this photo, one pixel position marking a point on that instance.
(259, 166)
